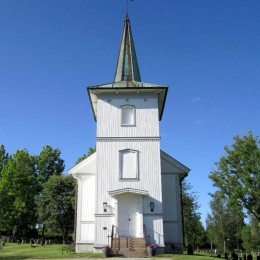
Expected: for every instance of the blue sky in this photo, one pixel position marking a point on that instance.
(206, 51)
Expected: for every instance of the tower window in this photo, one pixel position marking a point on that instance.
(128, 164)
(128, 115)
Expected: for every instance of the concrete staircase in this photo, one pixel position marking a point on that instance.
(129, 247)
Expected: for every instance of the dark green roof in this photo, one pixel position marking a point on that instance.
(127, 65)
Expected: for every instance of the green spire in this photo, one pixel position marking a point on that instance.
(127, 65)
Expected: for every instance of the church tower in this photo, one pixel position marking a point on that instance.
(127, 112)
(121, 192)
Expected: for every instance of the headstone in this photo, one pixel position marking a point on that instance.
(189, 250)
(234, 256)
(249, 257)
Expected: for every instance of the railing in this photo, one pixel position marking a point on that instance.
(112, 235)
(146, 237)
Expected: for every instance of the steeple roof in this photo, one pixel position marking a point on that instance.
(127, 77)
(127, 66)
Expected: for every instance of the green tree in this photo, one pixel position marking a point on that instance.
(56, 205)
(251, 236)
(224, 224)
(18, 188)
(238, 173)
(4, 157)
(84, 156)
(49, 163)
(194, 233)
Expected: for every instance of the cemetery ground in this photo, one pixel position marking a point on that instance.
(54, 251)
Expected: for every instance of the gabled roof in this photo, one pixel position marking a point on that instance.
(127, 65)
(86, 166)
(169, 165)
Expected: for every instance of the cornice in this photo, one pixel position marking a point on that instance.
(123, 139)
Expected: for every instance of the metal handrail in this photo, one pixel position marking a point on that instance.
(146, 237)
(112, 235)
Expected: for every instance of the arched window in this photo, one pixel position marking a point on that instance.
(128, 164)
(128, 115)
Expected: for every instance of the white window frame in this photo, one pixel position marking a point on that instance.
(122, 115)
(135, 168)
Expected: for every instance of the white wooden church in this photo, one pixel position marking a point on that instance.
(129, 190)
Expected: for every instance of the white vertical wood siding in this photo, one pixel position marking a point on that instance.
(88, 196)
(169, 195)
(112, 138)
(149, 171)
(172, 232)
(87, 232)
(154, 228)
(109, 116)
(86, 209)
(103, 230)
(149, 180)
(171, 208)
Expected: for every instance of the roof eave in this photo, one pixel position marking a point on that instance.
(161, 91)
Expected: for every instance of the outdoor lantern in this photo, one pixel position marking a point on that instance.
(105, 206)
(151, 206)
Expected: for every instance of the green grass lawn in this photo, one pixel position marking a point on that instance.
(25, 251)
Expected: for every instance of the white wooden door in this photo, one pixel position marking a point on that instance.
(130, 215)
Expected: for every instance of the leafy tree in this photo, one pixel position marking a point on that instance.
(238, 174)
(49, 163)
(194, 233)
(56, 204)
(4, 157)
(84, 156)
(18, 188)
(251, 236)
(224, 224)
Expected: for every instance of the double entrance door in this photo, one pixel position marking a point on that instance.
(130, 215)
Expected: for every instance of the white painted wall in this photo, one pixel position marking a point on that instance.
(169, 192)
(109, 116)
(172, 218)
(85, 209)
(154, 228)
(109, 176)
(85, 173)
(144, 138)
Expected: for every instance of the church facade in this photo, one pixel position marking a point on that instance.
(129, 188)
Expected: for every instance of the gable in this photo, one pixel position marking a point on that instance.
(169, 165)
(87, 166)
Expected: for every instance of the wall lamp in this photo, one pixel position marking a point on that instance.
(105, 206)
(152, 206)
